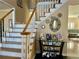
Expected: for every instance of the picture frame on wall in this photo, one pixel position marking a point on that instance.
(20, 3)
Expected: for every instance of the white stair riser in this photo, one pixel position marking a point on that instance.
(31, 30)
(16, 30)
(37, 22)
(12, 54)
(12, 39)
(11, 46)
(31, 25)
(44, 6)
(14, 34)
(19, 25)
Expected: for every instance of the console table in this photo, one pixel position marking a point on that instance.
(51, 47)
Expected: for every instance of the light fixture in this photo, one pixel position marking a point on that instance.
(43, 26)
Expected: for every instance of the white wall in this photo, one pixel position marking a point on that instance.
(21, 13)
(73, 2)
(74, 20)
(64, 24)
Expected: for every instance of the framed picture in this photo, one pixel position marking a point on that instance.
(43, 26)
(55, 24)
(20, 3)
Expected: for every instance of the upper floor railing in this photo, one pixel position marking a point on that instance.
(56, 1)
(41, 7)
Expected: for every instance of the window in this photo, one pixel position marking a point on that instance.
(71, 25)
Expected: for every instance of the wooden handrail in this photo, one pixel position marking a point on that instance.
(24, 31)
(7, 14)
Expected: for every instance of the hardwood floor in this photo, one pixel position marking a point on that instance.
(38, 56)
(71, 48)
(5, 57)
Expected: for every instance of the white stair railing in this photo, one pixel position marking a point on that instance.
(44, 6)
(28, 49)
(57, 1)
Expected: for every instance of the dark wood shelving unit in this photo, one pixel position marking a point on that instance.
(51, 46)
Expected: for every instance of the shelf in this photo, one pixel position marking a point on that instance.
(52, 45)
(51, 51)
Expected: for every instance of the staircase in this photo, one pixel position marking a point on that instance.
(12, 41)
(44, 10)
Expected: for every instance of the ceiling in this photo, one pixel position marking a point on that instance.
(4, 6)
(74, 2)
(74, 10)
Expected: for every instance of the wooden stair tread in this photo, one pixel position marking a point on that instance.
(13, 37)
(11, 50)
(6, 57)
(8, 42)
(17, 28)
(13, 32)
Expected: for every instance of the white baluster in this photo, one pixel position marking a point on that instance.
(41, 10)
(45, 8)
(52, 3)
(49, 7)
(44, 0)
(37, 12)
(56, 1)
